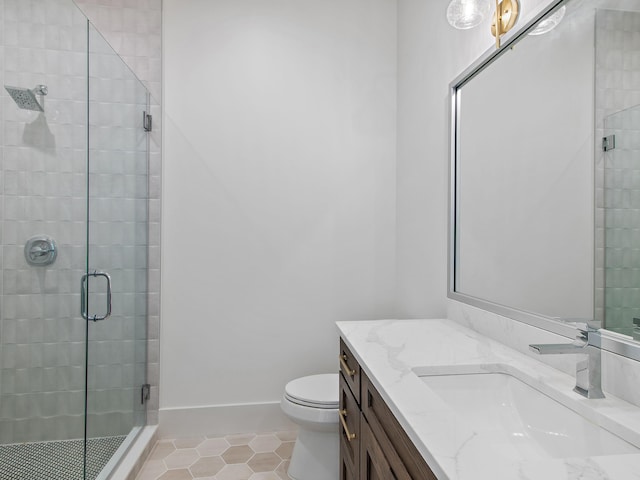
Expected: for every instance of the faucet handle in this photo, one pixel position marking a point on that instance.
(583, 324)
(594, 338)
(589, 336)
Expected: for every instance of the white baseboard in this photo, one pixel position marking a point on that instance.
(222, 420)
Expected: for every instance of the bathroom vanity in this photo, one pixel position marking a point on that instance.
(431, 399)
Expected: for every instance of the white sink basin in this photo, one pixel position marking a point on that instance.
(506, 413)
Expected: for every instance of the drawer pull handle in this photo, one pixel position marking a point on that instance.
(345, 367)
(343, 414)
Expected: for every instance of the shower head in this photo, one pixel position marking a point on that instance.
(26, 98)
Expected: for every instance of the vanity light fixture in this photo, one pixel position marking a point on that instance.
(504, 18)
(550, 22)
(465, 14)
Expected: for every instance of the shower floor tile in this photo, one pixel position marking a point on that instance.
(249, 456)
(56, 460)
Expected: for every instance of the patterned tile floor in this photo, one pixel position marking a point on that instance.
(253, 456)
(61, 460)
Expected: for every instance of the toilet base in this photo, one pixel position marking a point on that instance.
(316, 456)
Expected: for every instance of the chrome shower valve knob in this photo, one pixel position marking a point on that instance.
(40, 250)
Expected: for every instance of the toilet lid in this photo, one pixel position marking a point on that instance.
(319, 391)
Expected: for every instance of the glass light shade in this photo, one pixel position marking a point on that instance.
(464, 14)
(549, 23)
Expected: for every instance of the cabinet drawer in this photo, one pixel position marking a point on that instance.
(350, 370)
(391, 436)
(349, 412)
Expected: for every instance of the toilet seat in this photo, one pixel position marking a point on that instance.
(314, 391)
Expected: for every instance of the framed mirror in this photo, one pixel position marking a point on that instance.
(545, 173)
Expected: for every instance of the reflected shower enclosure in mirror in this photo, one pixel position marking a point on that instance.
(545, 191)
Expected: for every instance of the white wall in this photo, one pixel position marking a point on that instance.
(279, 190)
(430, 55)
(279, 213)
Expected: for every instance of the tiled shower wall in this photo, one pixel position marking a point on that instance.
(617, 66)
(622, 222)
(43, 176)
(133, 28)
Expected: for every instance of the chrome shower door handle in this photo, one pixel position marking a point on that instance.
(84, 294)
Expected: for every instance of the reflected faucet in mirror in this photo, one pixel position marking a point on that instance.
(588, 371)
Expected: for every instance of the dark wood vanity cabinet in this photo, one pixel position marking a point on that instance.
(373, 445)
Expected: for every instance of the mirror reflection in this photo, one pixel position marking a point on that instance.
(547, 171)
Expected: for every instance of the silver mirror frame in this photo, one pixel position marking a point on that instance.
(611, 341)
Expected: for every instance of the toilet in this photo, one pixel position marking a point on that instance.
(312, 403)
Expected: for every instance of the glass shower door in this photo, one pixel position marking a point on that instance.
(622, 222)
(43, 210)
(117, 257)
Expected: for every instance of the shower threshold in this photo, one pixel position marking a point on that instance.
(56, 460)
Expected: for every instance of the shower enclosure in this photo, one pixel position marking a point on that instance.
(73, 256)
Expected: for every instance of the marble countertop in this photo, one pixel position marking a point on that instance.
(394, 353)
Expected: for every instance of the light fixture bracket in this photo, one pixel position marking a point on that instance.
(504, 18)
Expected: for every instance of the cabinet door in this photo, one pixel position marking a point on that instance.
(373, 463)
(401, 453)
(349, 412)
(346, 469)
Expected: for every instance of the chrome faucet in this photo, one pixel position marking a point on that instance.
(588, 371)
